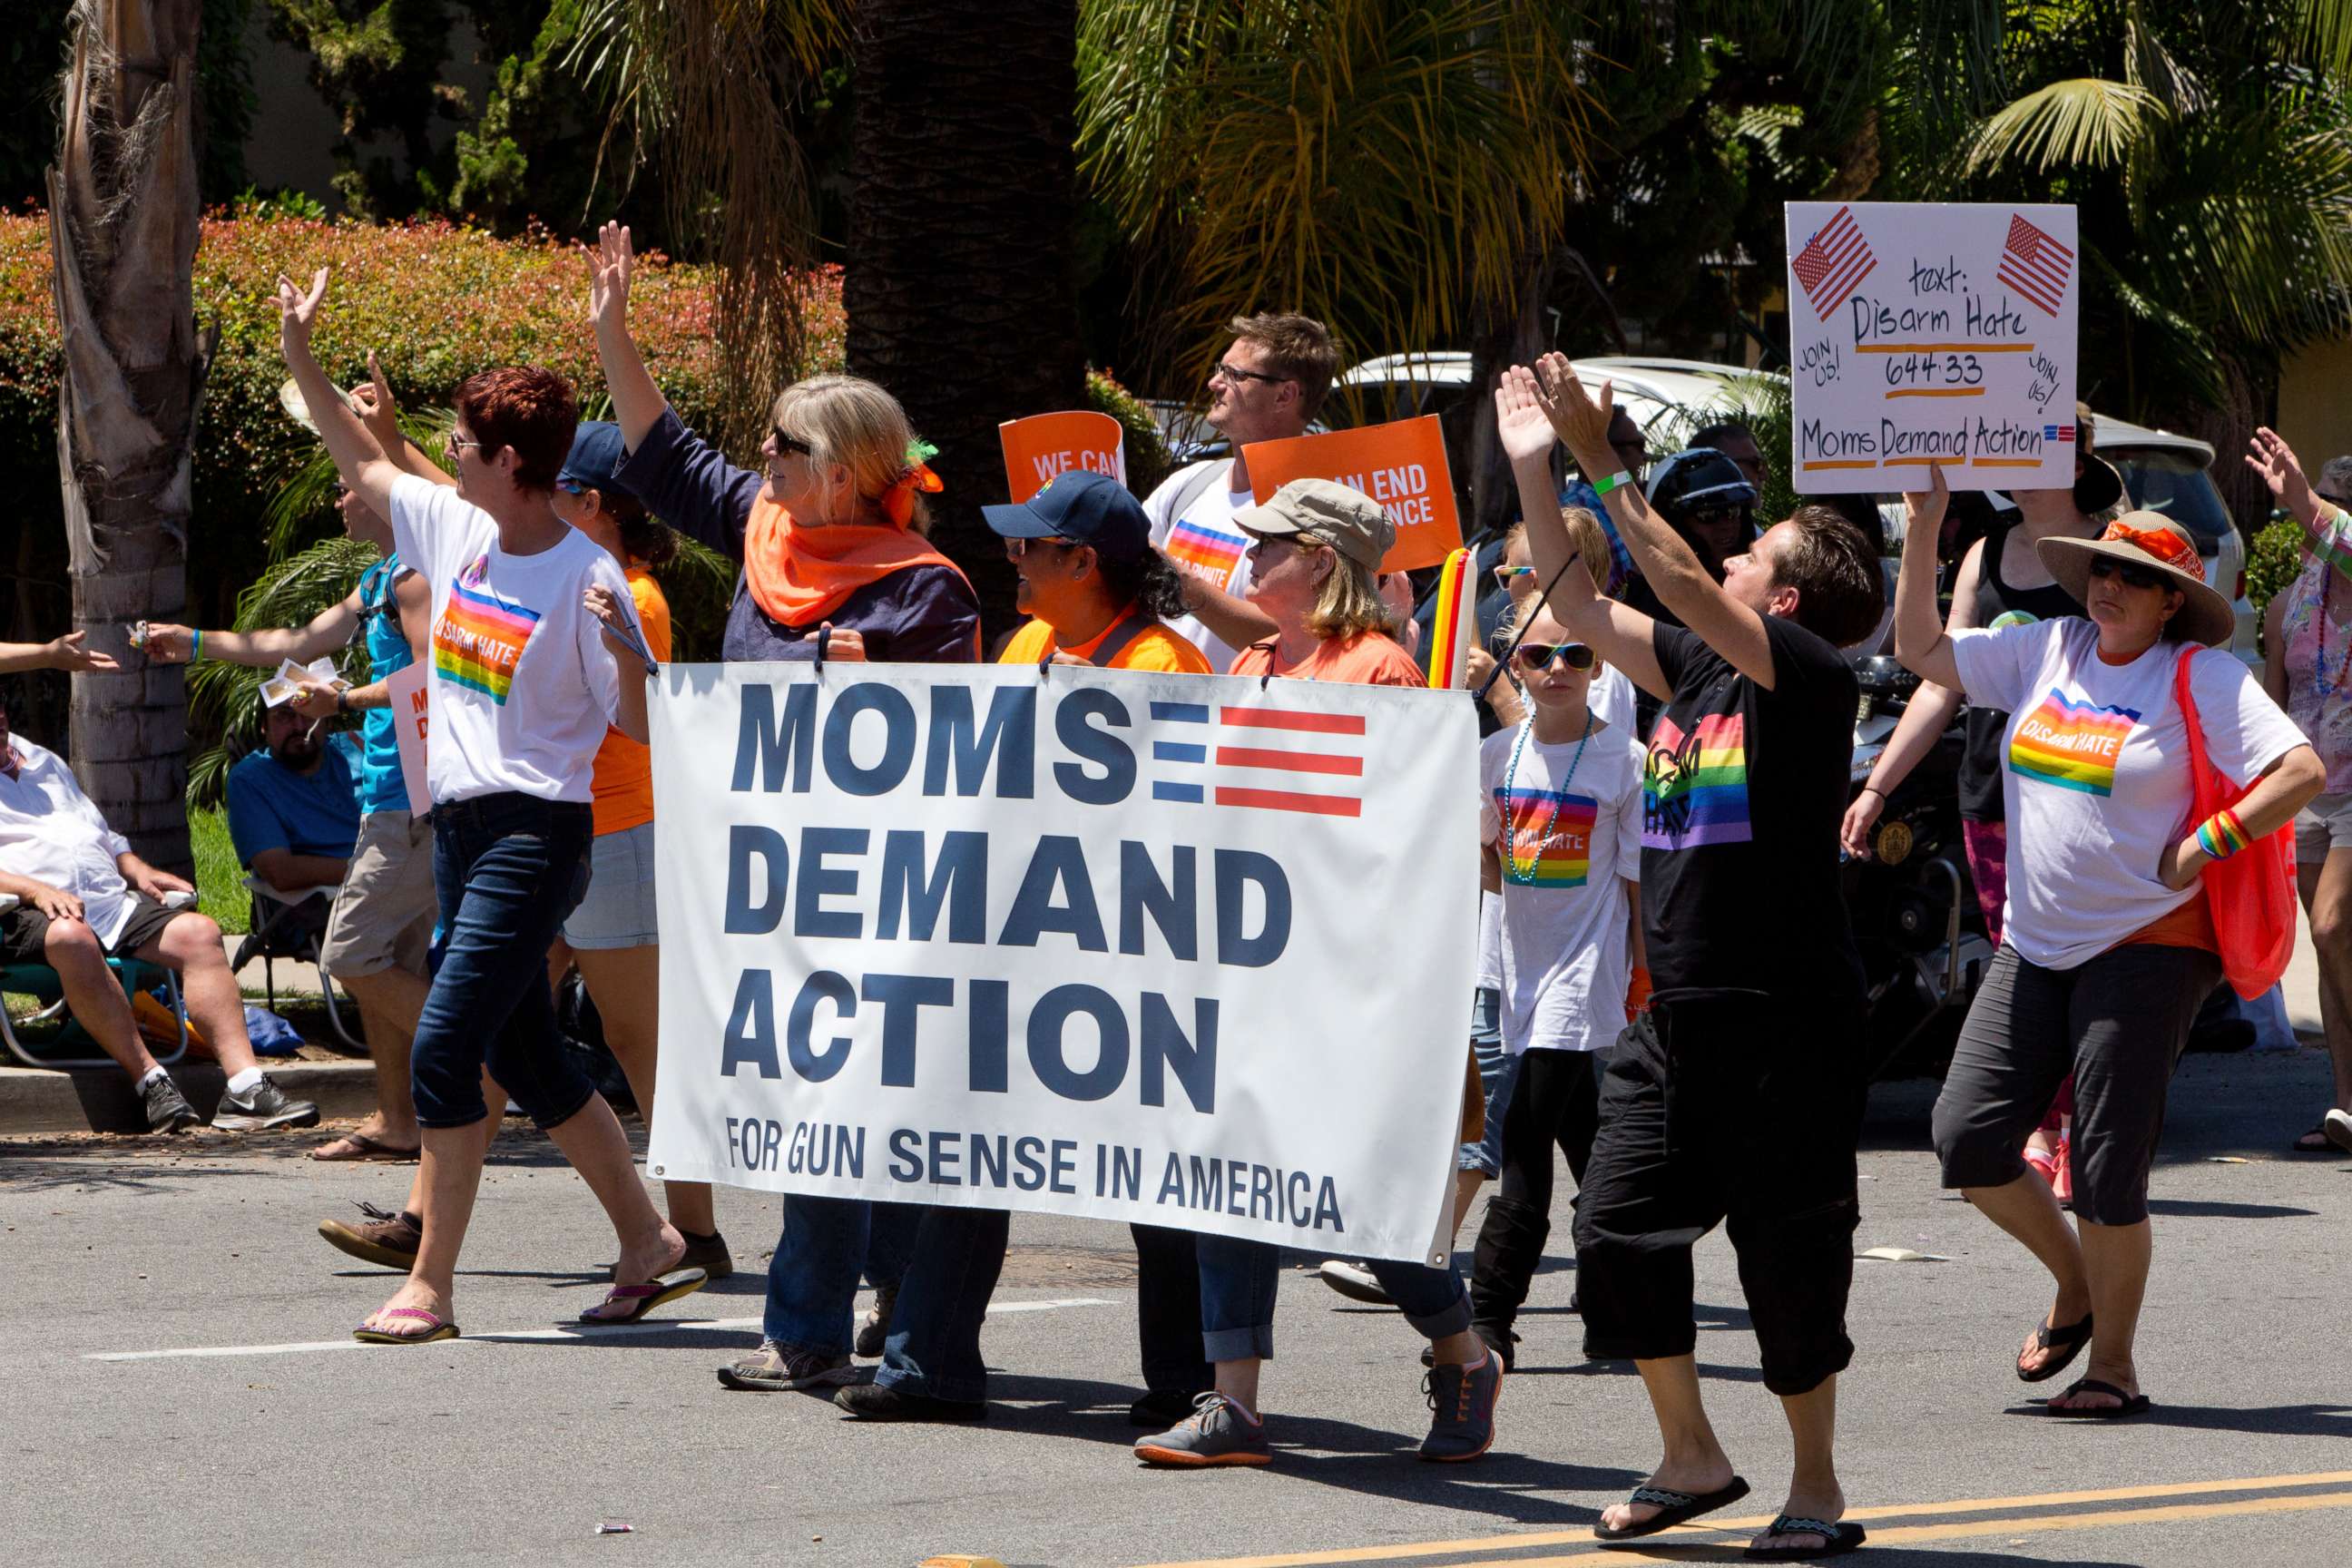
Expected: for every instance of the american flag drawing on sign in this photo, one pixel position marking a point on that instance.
(1261, 759)
(2035, 265)
(2058, 432)
(1832, 262)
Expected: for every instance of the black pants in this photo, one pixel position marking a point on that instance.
(1729, 1106)
(1555, 1103)
(1168, 1311)
(2118, 1023)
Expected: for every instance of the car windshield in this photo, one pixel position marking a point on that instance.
(2171, 481)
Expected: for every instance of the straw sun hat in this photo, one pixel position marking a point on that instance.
(2152, 539)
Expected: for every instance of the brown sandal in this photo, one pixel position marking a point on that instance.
(365, 1148)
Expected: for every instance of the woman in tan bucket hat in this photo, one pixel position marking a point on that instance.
(2107, 947)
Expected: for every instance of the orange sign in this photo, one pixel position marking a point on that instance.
(1043, 445)
(1400, 465)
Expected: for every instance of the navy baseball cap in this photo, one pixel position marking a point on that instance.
(597, 453)
(1091, 508)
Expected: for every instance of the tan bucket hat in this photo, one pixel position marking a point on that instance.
(2152, 539)
(1327, 512)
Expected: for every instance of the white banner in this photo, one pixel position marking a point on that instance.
(1925, 332)
(1185, 949)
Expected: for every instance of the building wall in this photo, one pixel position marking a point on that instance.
(2315, 404)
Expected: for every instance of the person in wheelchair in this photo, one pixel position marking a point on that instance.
(84, 898)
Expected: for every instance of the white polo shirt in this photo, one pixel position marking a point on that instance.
(50, 832)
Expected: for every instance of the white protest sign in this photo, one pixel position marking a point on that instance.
(410, 708)
(1923, 333)
(1183, 950)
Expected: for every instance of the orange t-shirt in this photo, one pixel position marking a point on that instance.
(623, 781)
(1367, 658)
(1154, 648)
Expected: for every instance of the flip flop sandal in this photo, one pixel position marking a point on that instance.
(438, 1329)
(2318, 1140)
(2133, 1404)
(1836, 1539)
(643, 1299)
(1674, 1508)
(2070, 1339)
(368, 1149)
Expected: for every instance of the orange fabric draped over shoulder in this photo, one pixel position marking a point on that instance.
(800, 575)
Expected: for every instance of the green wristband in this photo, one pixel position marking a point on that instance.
(1603, 487)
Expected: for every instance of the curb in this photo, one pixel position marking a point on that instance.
(40, 1101)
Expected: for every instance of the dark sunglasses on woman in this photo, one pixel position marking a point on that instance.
(2133, 576)
(1539, 655)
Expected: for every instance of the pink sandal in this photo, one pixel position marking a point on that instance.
(437, 1328)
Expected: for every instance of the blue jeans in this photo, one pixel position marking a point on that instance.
(1237, 1288)
(934, 1343)
(508, 869)
(1498, 1071)
(813, 1279)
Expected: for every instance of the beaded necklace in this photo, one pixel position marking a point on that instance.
(1510, 780)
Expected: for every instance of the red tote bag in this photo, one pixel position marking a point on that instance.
(2251, 893)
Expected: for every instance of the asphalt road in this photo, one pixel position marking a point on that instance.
(283, 1443)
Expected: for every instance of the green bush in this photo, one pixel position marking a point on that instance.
(2274, 562)
(1148, 459)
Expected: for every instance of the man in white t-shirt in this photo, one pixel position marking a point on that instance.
(1269, 385)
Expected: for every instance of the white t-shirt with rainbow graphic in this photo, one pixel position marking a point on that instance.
(2094, 775)
(523, 686)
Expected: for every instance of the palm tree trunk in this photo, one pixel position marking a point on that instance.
(959, 291)
(123, 236)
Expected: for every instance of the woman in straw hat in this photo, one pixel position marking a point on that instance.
(2108, 946)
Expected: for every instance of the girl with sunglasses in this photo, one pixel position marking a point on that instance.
(2107, 947)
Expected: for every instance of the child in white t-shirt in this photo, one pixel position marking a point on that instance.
(1560, 809)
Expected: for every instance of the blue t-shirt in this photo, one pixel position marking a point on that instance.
(382, 786)
(271, 807)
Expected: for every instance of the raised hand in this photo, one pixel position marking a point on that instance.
(1520, 423)
(2269, 455)
(374, 405)
(297, 309)
(611, 261)
(66, 653)
(1580, 418)
(1925, 509)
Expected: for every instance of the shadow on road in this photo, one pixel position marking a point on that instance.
(2265, 1420)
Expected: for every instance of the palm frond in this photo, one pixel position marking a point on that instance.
(2082, 122)
(304, 503)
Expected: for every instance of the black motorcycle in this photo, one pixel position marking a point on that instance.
(1914, 910)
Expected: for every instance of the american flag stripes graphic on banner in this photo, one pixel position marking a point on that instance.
(1832, 262)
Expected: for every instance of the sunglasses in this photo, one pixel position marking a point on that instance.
(1017, 548)
(1506, 573)
(789, 443)
(1539, 655)
(2133, 576)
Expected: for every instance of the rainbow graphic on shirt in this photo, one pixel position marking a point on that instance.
(2071, 745)
(1695, 786)
(479, 639)
(1561, 858)
(1213, 554)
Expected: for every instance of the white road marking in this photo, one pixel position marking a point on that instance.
(572, 1332)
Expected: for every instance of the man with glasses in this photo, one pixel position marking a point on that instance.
(1267, 385)
(381, 924)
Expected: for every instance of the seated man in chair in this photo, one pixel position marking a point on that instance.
(85, 897)
(294, 808)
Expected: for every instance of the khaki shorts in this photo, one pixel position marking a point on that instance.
(383, 917)
(2324, 824)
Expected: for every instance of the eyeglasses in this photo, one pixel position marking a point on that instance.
(2133, 576)
(1539, 655)
(1017, 548)
(1236, 374)
(789, 443)
(570, 487)
(1506, 573)
(457, 441)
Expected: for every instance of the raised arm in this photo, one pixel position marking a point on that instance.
(2327, 528)
(638, 403)
(1921, 641)
(1620, 635)
(1660, 555)
(65, 653)
(168, 644)
(381, 414)
(358, 459)
(1925, 719)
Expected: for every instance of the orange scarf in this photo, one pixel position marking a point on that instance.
(801, 575)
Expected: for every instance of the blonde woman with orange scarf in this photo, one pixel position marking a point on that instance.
(833, 568)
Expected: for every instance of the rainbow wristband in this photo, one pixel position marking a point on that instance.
(2222, 835)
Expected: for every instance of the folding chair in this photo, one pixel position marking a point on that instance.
(39, 981)
(293, 926)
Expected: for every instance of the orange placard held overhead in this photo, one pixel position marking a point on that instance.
(1043, 445)
(1400, 465)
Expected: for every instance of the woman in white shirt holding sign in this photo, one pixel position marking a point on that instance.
(529, 616)
(2107, 949)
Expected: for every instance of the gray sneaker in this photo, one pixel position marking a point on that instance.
(263, 1106)
(1216, 1432)
(1462, 1409)
(772, 1368)
(167, 1108)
